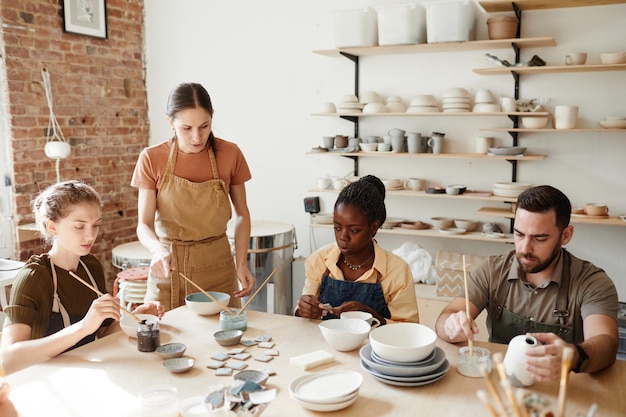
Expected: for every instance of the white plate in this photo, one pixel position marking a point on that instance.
(326, 387)
(508, 150)
(452, 231)
(511, 185)
(441, 370)
(408, 384)
(428, 359)
(177, 365)
(328, 407)
(613, 124)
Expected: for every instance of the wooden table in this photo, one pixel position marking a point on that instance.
(105, 378)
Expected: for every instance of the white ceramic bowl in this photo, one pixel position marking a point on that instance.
(129, 324)
(396, 107)
(203, 305)
(350, 98)
(369, 147)
(456, 189)
(486, 108)
(441, 222)
(534, 122)
(375, 108)
(344, 334)
(403, 342)
(468, 225)
(171, 350)
(370, 97)
(613, 57)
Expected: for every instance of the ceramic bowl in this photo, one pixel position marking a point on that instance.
(441, 222)
(403, 342)
(468, 225)
(596, 209)
(258, 377)
(534, 122)
(171, 350)
(396, 107)
(370, 97)
(178, 365)
(349, 98)
(456, 189)
(369, 147)
(613, 57)
(344, 334)
(203, 305)
(486, 108)
(228, 337)
(375, 108)
(129, 324)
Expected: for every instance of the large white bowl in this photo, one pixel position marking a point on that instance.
(203, 305)
(129, 324)
(403, 342)
(344, 334)
(534, 122)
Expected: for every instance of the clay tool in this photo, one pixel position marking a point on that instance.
(566, 363)
(470, 342)
(222, 306)
(100, 294)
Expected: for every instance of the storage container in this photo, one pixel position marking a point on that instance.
(401, 25)
(450, 21)
(502, 27)
(355, 28)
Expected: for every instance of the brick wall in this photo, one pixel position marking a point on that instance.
(100, 103)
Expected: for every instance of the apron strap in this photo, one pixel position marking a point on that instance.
(171, 159)
(562, 300)
(57, 306)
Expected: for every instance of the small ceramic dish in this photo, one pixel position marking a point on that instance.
(228, 337)
(255, 376)
(508, 150)
(435, 190)
(171, 350)
(179, 365)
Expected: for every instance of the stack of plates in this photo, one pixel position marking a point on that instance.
(405, 374)
(456, 100)
(349, 104)
(509, 189)
(424, 103)
(327, 391)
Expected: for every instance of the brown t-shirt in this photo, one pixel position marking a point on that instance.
(195, 167)
(32, 292)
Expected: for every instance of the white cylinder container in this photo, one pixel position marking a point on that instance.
(515, 360)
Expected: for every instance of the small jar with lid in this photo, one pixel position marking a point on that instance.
(148, 336)
(233, 321)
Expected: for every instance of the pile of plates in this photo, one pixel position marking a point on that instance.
(456, 100)
(349, 104)
(326, 391)
(509, 189)
(405, 374)
(423, 103)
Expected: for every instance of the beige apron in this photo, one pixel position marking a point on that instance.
(191, 217)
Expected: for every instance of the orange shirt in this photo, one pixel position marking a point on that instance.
(195, 167)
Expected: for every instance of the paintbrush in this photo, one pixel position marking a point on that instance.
(255, 293)
(566, 363)
(470, 342)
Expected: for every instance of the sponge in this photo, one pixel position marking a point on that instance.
(311, 360)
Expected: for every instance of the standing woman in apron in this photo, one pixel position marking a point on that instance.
(50, 311)
(184, 187)
(354, 273)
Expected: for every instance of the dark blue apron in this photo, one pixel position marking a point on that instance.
(336, 292)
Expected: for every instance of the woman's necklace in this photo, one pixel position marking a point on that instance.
(356, 267)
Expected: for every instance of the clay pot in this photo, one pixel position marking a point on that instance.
(502, 27)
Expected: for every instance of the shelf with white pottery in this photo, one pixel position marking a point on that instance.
(508, 238)
(507, 213)
(468, 195)
(434, 155)
(550, 69)
(441, 47)
(492, 6)
(431, 114)
(520, 129)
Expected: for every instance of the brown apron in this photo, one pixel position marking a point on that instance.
(191, 217)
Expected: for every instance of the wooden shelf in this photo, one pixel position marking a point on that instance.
(491, 6)
(431, 233)
(433, 155)
(550, 69)
(468, 195)
(434, 114)
(26, 232)
(549, 130)
(440, 47)
(503, 212)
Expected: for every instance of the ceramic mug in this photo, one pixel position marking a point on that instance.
(413, 142)
(339, 183)
(329, 142)
(508, 104)
(397, 143)
(577, 58)
(436, 143)
(415, 184)
(383, 147)
(483, 144)
(323, 183)
(396, 132)
(565, 117)
(363, 315)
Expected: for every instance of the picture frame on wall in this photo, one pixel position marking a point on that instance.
(85, 17)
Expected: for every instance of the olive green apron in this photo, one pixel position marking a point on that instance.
(506, 324)
(191, 218)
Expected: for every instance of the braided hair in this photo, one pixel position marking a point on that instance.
(368, 195)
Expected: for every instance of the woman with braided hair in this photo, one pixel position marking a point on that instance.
(354, 273)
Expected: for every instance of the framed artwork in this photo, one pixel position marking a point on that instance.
(85, 17)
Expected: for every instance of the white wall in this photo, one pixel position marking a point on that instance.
(256, 60)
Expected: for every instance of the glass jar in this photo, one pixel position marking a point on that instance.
(159, 401)
(148, 336)
(234, 321)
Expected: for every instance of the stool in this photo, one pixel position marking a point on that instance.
(130, 286)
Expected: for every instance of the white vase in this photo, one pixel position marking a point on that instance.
(515, 360)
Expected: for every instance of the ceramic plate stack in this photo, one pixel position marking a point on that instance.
(349, 104)
(509, 189)
(424, 103)
(326, 391)
(456, 100)
(405, 374)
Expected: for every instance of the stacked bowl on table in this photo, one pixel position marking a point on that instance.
(423, 103)
(404, 354)
(326, 391)
(456, 100)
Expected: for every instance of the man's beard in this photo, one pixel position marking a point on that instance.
(542, 265)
